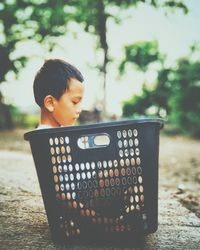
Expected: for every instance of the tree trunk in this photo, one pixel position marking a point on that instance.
(101, 29)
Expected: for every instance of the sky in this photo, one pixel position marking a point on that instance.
(175, 33)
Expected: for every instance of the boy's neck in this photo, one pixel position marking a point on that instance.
(46, 118)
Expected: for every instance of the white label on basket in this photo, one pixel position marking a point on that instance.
(93, 141)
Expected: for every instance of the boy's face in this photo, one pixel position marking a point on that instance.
(68, 108)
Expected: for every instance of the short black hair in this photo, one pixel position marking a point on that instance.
(53, 78)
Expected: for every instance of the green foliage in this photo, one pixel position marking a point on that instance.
(6, 121)
(150, 103)
(140, 54)
(138, 105)
(27, 121)
(23, 20)
(155, 102)
(176, 4)
(176, 96)
(11, 117)
(41, 20)
(185, 99)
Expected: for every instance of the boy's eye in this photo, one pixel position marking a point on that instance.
(76, 101)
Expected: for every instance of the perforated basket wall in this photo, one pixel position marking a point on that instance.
(95, 190)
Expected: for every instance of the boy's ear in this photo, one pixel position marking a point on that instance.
(49, 103)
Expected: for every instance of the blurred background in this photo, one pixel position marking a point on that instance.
(139, 58)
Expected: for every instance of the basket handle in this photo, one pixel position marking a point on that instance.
(93, 141)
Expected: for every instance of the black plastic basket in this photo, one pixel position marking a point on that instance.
(100, 181)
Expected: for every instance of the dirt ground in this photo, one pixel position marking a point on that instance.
(180, 169)
(179, 180)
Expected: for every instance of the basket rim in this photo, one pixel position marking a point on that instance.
(30, 134)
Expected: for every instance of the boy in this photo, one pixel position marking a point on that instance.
(58, 90)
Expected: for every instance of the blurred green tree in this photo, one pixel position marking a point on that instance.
(176, 94)
(184, 101)
(41, 20)
(151, 102)
(140, 54)
(22, 20)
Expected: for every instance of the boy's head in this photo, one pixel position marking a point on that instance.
(58, 90)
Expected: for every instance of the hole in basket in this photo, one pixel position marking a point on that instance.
(135, 132)
(119, 135)
(54, 169)
(130, 133)
(55, 178)
(120, 144)
(52, 151)
(122, 163)
(68, 149)
(102, 140)
(104, 164)
(121, 153)
(111, 173)
(125, 143)
(127, 162)
(77, 167)
(132, 161)
(57, 150)
(141, 189)
(131, 143)
(124, 133)
(93, 141)
(51, 141)
(56, 141)
(62, 149)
